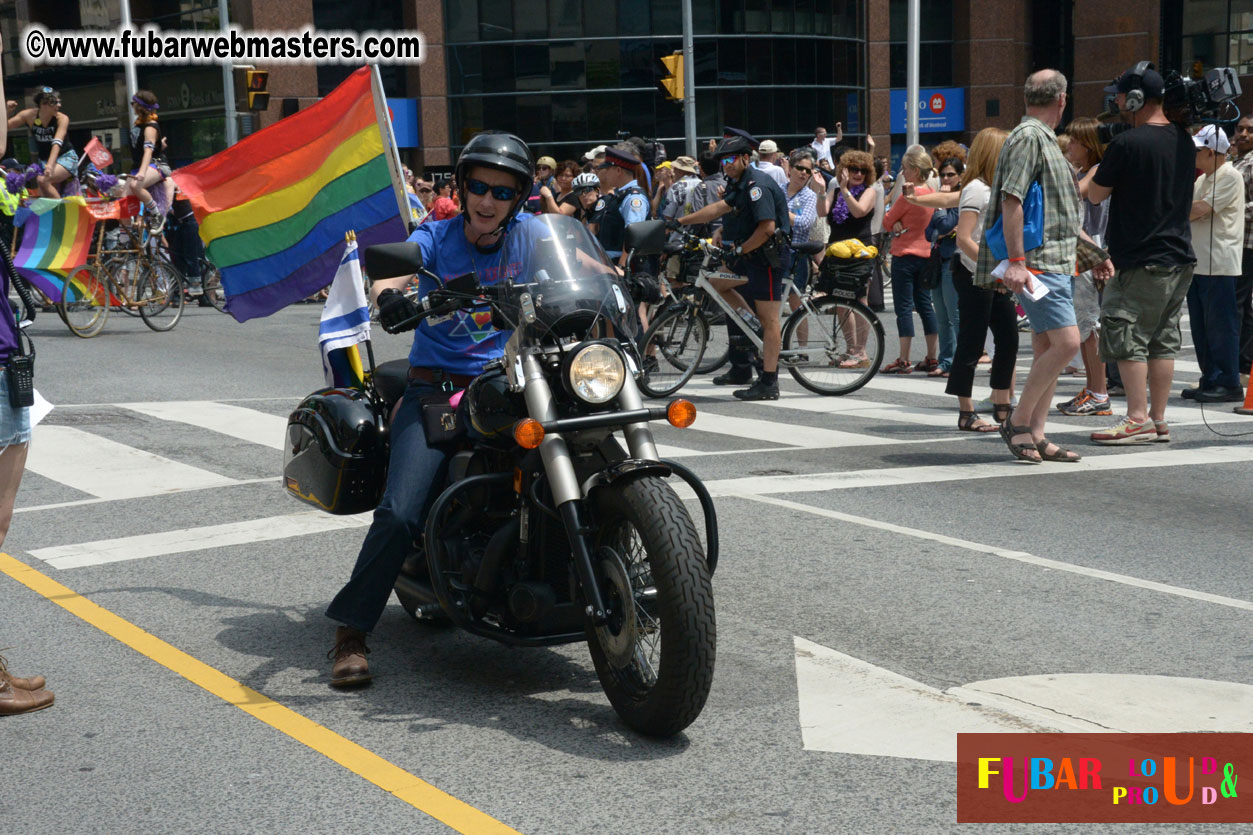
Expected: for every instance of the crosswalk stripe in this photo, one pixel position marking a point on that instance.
(786, 434)
(899, 476)
(235, 421)
(196, 539)
(107, 469)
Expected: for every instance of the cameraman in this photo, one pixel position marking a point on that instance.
(1148, 172)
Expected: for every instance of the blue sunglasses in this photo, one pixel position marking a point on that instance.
(501, 193)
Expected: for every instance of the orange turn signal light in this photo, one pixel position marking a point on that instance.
(681, 413)
(528, 432)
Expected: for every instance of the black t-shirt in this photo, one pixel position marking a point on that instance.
(1151, 169)
(572, 199)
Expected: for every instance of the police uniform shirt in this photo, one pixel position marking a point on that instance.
(632, 207)
(753, 198)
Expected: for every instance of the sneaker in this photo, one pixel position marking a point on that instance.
(1084, 404)
(1125, 432)
(759, 391)
(1163, 432)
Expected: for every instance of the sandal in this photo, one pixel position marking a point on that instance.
(928, 364)
(1062, 454)
(900, 366)
(937, 372)
(966, 422)
(1019, 450)
(854, 362)
(1002, 411)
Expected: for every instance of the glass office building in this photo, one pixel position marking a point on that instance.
(562, 73)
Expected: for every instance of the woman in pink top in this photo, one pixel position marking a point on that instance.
(910, 251)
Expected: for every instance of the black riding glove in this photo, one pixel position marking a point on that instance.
(395, 309)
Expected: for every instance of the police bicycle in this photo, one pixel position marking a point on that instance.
(832, 343)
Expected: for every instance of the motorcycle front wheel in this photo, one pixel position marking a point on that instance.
(655, 656)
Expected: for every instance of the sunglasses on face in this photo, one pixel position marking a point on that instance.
(948, 173)
(501, 193)
(807, 170)
(725, 161)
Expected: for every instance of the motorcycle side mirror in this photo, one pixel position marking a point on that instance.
(645, 238)
(392, 260)
(467, 284)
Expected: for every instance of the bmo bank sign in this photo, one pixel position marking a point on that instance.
(940, 109)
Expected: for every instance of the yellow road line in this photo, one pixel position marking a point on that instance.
(418, 793)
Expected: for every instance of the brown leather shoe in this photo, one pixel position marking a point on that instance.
(350, 668)
(32, 683)
(14, 700)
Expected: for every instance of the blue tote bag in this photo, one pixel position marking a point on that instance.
(1032, 226)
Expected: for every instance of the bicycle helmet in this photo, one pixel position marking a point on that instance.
(588, 180)
(504, 152)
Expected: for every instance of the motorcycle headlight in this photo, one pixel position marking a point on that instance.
(596, 373)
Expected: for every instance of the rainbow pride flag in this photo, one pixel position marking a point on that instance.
(273, 208)
(56, 240)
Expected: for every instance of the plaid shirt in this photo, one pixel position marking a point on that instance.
(1031, 155)
(1244, 164)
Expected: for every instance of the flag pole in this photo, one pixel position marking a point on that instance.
(351, 237)
(389, 146)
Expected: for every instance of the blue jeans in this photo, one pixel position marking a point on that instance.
(1215, 329)
(415, 473)
(907, 294)
(944, 298)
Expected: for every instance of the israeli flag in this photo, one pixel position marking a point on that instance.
(345, 323)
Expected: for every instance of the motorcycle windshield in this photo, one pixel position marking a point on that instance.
(574, 287)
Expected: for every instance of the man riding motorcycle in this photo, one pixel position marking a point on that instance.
(493, 174)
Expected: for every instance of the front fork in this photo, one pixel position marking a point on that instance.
(563, 480)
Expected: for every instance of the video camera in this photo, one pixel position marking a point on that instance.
(1207, 100)
(1187, 100)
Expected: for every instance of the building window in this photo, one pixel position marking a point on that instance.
(1217, 33)
(935, 52)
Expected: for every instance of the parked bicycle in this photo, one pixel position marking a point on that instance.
(832, 343)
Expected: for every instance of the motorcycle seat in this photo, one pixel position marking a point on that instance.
(390, 380)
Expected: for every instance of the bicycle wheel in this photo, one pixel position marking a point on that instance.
(160, 295)
(840, 344)
(672, 350)
(718, 347)
(211, 281)
(84, 304)
(124, 272)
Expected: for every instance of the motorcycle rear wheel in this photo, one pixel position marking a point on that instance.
(655, 657)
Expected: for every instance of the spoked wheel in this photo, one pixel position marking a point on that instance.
(655, 656)
(125, 272)
(84, 305)
(211, 281)
(672, 350)
(718, 346)
(840, 346)
(160, 295)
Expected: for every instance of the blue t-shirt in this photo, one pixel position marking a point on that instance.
(461, 342)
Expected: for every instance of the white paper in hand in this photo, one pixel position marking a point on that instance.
(1038, 290)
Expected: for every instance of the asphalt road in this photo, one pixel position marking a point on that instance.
(860, 533)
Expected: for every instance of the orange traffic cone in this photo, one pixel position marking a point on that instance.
(1247, 408)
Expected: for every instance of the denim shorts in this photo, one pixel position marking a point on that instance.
(14, 423)
(1056, 309)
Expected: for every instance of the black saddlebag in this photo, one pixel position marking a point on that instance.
(335, 455)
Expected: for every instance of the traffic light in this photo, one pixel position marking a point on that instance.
(673, 83)
(255, 82)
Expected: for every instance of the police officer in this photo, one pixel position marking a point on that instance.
(755, 217)
(624, 201)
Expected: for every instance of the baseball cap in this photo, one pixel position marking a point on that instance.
(549, 161)
(685, 164)
(768, 146)
(1151, 83)
(1212, 137)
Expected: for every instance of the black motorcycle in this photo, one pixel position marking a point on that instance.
(549, 530)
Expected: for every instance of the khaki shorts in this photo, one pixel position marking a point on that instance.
(1141, 310)
(1087, 305)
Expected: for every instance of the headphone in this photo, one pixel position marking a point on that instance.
(1135, 96)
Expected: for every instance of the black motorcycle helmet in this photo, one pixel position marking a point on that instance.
(504, 152)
